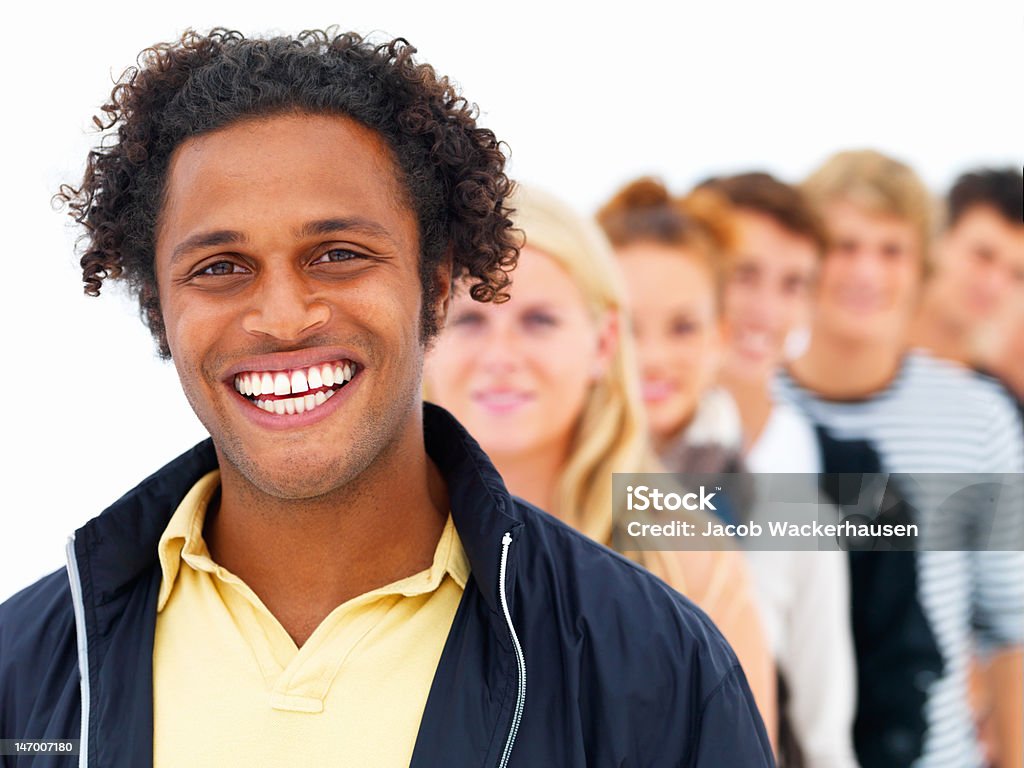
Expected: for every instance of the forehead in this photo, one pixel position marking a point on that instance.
(764, 238)
(847, 219)
(538, 277)
(662, 277)
(986, 221)
(286, 167)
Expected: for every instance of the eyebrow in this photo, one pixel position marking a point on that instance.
(206, 240)
(309, 229)
(344, 224)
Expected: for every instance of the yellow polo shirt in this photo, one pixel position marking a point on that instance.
(230, 688)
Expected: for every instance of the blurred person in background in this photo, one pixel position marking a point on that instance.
(1003, 355)
(547, 384)
(767, 297)
(715, 284)
(671, 253)
(978, 266)
(858, 379)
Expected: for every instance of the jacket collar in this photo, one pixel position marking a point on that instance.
(120, 545)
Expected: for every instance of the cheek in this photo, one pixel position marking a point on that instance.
(449, 367)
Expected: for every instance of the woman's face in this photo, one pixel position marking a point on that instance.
(517, 374)
(678, 334)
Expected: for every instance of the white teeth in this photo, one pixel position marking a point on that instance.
(330, 393)
(327, 374)
(299, 382)
(315, 380)
(282, 384)
(253, 384)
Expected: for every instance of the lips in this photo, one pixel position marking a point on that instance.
(502, 401)
(656, 390)
(295, 390)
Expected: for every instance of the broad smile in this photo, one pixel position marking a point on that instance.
(297, 390)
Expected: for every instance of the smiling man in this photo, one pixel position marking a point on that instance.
(979, 269)
(338, 576)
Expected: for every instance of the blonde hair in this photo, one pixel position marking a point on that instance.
(611, 433)
(880, 185)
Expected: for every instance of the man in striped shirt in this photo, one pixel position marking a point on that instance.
(859, 380)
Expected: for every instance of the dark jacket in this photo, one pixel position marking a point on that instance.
(561, 652)
(898, 657)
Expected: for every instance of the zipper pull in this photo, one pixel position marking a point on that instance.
(506, 539)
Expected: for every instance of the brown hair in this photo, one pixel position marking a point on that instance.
(783, 203)
(1001, 189)
(701, 223)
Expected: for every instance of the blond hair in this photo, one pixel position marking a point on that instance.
(880, 185)
(611, 432)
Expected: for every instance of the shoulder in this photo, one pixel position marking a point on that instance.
(36, 607)
(620, 612)
(37, 629)
(953, 382)
(787, 444)
(647, 672)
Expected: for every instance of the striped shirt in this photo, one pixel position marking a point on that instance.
(938, 417)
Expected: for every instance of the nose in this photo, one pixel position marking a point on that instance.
(502, 350)
(284, 307)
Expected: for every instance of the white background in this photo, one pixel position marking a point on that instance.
(586, 99)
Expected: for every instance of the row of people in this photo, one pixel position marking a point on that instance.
(660, 337)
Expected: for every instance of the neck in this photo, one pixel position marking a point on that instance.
(1009, 367)
(305, 557)
(753, 400)
(533, 475)
(840, 369)
(940, 334)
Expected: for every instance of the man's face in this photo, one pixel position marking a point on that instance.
(870, 278)
(980, 270)
(767, 295)
(287, 264)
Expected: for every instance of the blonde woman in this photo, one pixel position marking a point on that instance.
(547, 384)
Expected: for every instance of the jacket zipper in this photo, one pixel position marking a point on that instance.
(517, 715)
(83, 648)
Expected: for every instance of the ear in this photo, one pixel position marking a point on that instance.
(608, 330)
(443, 289)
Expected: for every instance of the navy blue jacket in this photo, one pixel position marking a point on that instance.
(561, 652)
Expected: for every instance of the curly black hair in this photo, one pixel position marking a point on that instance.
(452, 170)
